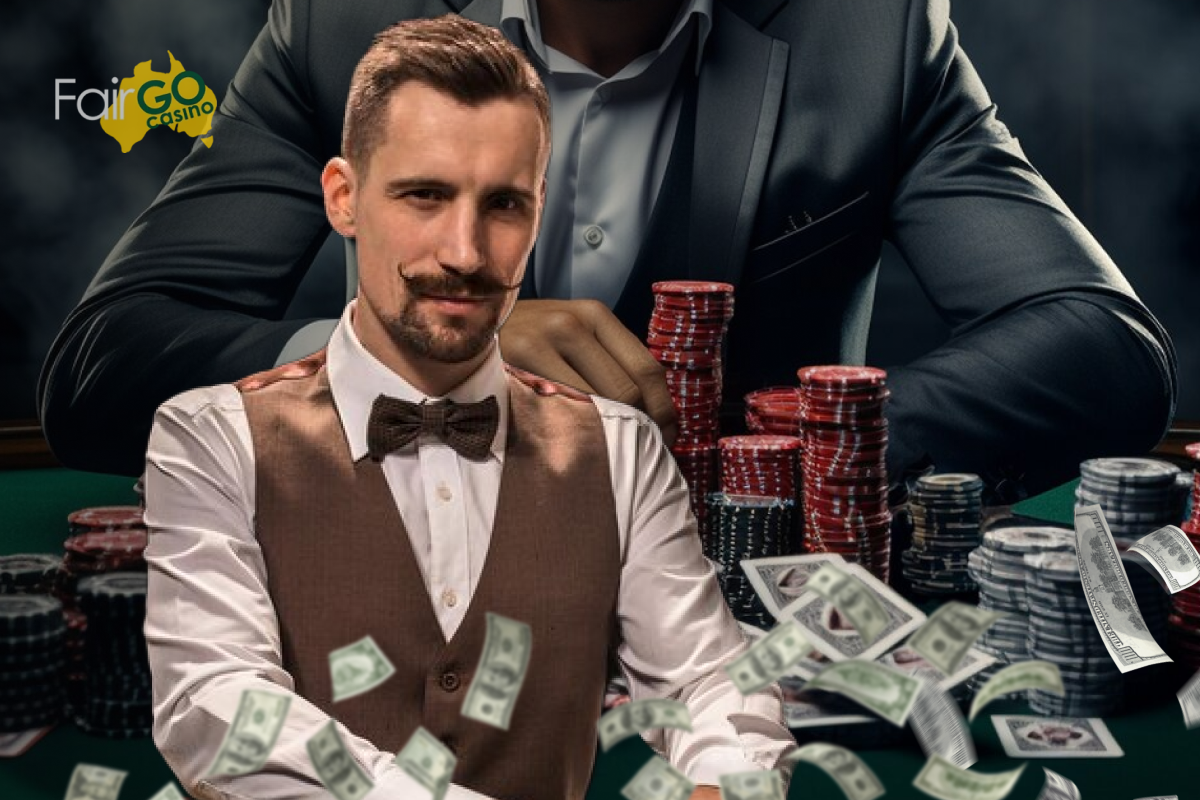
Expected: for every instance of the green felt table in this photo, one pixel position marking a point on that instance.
(33, 509)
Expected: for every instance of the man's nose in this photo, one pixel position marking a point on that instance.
(460, 248)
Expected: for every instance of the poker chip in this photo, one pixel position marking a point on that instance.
(28, 573)
(775, 409)
(1138, 495)
(744, 527)
(686, 335)
(32, 655)
(764, 465)
(105, 518)
(946, 511)
(843, 464)
(1183, 624)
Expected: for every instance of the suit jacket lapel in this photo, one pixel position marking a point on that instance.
(741, 88)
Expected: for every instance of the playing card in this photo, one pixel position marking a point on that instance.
(1055, 737)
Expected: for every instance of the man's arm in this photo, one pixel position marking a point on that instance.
(194, 293)
(211, 628)
(676, 631)
(1053, 358)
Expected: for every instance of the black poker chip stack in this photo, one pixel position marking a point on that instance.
(32, 658)
(946, 511)
(743, 527)
(28, 573)
(117, 701)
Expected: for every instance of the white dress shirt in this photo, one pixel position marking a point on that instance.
(212, 630)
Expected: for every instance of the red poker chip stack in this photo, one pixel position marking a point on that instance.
(763, 465)
(775, 409)
(103, 539)
(844, 465)
(687, 331)
(1183, 625)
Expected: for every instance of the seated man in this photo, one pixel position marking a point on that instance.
(414, 484)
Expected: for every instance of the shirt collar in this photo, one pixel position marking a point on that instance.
(356, 378)
(519, 22)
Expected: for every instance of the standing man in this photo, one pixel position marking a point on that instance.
(414, 483)
(774, 144)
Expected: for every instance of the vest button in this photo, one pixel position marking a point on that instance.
(449, 681)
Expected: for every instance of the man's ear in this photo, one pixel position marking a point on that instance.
(337, 184)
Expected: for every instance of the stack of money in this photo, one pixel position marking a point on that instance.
(1062, 632)
(117, 703)
(746, 527)
(998, 566)
(31, 662)
(946, 511)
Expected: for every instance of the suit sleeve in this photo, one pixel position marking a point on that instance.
(1052, 358)
(194, 293)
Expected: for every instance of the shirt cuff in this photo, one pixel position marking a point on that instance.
(717, 761)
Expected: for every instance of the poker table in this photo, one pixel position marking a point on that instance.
(34, 504)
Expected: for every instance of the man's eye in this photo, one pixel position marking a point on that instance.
(424, 195)
(506, 203)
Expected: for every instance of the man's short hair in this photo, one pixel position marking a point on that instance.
(471, 62)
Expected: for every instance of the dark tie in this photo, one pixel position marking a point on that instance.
(469, 428)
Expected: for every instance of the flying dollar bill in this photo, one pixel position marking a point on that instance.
(90, 782)
(940, 728)
(658, 780)
(336, 768)
(1017, 677)
(168, 792)
(765, 660)
(358, 668)
(1057, 787)
(888, 693)
(761, 784)
(1171, 554)
(941, 779)
(852, 598)
(252, 734)
(947, 635)
(428, 761)
(854, 777)
(1189, 701)
(1109, 595)
(629, 719)
(501, 671)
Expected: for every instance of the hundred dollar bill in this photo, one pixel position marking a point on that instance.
(642, 715)
(852, 598)
(358, 668)
(1189, 701)
(1017, 677)
(1057, 787)
(90, 782)
(658, 780)
(336, 768)
(1108, 593)
(501, 671)
(760, 784)
(888, 693)
(769, 658)
(945, 638)
(1172, 555)
(941, 779)
(252, 733)
(940, 728)
(855, 778)
(168, 792)
(428, 761)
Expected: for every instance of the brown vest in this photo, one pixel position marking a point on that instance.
(340, 566)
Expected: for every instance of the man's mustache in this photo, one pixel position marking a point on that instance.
(473, 285)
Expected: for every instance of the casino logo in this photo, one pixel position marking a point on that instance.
(177, 99)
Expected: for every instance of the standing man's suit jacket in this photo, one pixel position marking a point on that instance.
(822, 128)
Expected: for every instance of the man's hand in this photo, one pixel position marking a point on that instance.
(705, 792)
(300, 368)
(581, 344)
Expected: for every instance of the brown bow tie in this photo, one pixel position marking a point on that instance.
(469, 428)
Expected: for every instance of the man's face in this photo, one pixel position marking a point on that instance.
(445, 218)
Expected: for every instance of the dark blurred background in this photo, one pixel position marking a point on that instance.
(1104, 96)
